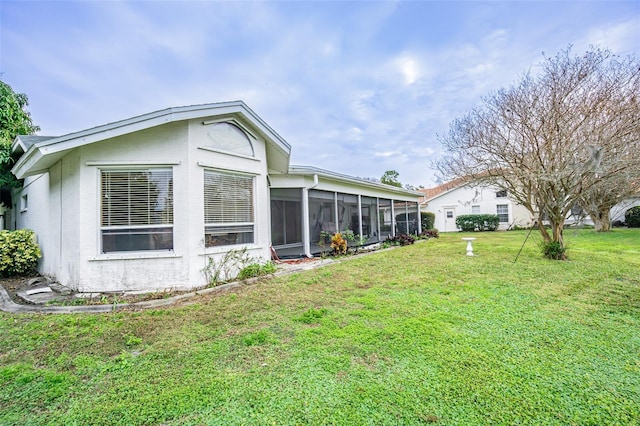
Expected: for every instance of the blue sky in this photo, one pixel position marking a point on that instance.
(355, 87)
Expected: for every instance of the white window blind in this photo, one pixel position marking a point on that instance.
(136, 209)
(228, 209)
(503, 212)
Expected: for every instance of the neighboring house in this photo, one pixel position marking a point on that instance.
(455, 198)
(619, 210)
(142, 204)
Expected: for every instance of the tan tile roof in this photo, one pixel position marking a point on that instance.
(430, 193)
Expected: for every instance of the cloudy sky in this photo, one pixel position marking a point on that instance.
(355, 87)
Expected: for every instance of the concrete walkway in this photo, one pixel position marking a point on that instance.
(8, 305)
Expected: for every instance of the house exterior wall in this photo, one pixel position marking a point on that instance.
(461, 201)
(65, 210)
(53, 210)
(618, 211)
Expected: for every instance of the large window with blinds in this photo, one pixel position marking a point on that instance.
(228, 209)
(136, 210)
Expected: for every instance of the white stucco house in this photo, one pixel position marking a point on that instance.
(142, 203)
(455, 198)
(458, 197)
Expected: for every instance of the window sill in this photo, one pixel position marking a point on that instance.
(224, 249)
(135, 255)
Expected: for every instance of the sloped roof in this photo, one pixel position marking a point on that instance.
(431, 193)
(22, 143)
(44, 152)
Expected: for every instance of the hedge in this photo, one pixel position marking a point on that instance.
(427, 220)
(19, 252)
(632, 217)
(478, 222)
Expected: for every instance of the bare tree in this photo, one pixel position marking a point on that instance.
(616, 155)
(551, 137)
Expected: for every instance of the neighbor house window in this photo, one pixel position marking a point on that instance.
(228, 209)
(501, 194)
(136, 210)
(503, 212)
(475, 209)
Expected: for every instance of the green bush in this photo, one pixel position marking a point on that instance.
(19, 252)
(427, 220)
(632, 217)
(553, 250)
(478, 222)
(256, 270)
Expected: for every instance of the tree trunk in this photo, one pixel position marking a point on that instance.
(557, 232)
(543, 231)
(601, 220)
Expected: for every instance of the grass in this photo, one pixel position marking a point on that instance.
(417, 335)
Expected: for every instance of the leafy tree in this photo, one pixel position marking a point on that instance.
(390, 177)
(14, 121)
(552, 138)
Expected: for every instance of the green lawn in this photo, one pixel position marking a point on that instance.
(415, 335)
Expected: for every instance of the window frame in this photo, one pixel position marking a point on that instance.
(153, 229)
(24, 202)
(245, 230)
(501, 216)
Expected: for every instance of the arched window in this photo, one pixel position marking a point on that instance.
(229, 138)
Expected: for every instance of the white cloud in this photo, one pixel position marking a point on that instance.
(409, 68)
(348, 85)
(622, 38)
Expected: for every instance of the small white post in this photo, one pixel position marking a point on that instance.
(469, 246)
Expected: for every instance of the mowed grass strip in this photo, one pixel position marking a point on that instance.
(416, 335)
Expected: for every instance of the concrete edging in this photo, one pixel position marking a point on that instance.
(8, 305)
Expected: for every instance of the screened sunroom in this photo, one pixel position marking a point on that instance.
(309, 205)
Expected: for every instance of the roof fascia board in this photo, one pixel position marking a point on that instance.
(338, 177)
(157, 118)
(17, 143)
(28, 159)
(142, 122)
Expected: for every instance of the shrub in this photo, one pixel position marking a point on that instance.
(427, 220)
(553, 250)
(431, 233)
(218, 270)
(400, 240)
(19, 252)
(338, 244)
(256, 270)
(478, 222)
(632, 217)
